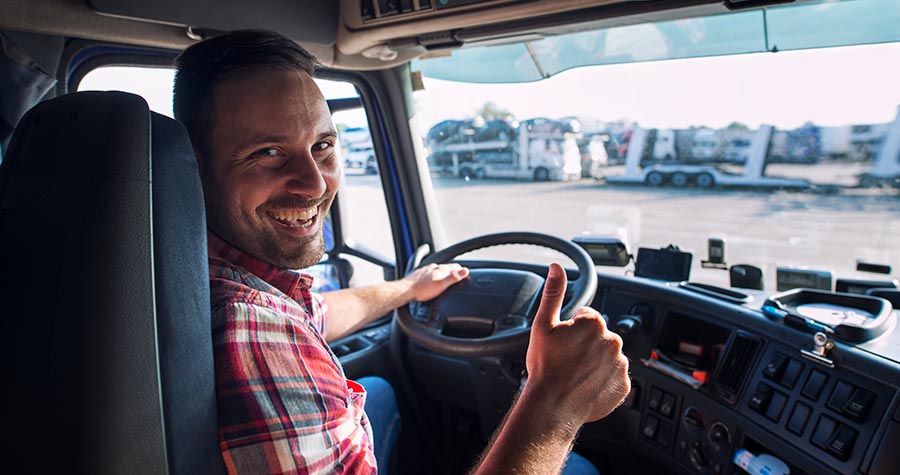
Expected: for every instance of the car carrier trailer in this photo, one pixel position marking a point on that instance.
(700, 175)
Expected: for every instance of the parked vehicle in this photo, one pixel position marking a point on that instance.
(705, 146)
(664, 145)
(736, 151)
(594, 156)
(886, 166)
(360, 157)
(539, 149)
(800, 145)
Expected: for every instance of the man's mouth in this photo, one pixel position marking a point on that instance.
(294, 218)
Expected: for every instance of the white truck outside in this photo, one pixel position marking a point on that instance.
(531, 155)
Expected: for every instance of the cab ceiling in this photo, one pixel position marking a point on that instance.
(333, 30)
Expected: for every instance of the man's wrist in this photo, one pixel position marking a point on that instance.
(405, 290)
(547, 406)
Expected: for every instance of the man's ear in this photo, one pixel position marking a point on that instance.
(203, 169)
(201, 160)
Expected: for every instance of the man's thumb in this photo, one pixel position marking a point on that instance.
(547, 315)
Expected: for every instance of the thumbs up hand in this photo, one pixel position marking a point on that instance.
(576, 366)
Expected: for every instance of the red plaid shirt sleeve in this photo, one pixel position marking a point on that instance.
(284, 405)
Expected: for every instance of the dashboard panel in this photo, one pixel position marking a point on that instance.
(748, 387)
(756, 391)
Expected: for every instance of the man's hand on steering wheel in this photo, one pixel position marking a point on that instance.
(430, 281)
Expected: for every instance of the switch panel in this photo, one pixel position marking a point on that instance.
(814, 384)
(655, 399)
(857, 408)
(822, 434)
(667, 407)
(651, 425)
(835, 438)
(791, 373)
(799, 418)
(759, 402)
(776, 406)
(783, 370)
(851, 401)
(775, 368)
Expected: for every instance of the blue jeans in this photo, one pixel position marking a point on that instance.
(578, 465)
(381, 408)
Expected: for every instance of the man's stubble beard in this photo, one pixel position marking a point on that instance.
(308, 254)
(264, 245)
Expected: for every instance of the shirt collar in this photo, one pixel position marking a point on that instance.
(285, 280)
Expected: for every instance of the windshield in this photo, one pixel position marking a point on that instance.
(791, 159)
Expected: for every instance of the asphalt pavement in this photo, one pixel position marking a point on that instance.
(764, 228)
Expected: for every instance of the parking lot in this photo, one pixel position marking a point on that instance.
(763, 228)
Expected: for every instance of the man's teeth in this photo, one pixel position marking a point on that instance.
(294, 217)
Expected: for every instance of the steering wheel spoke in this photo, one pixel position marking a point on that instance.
(490, 312)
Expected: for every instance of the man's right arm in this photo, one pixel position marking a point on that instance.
(576, 374)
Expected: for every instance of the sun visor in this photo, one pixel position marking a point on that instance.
(306, 22)
(818, 24)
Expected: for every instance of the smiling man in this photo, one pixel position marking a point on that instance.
(265, 142)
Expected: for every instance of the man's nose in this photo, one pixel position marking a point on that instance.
(305, 178)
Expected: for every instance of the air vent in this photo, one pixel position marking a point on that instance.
(735, 365)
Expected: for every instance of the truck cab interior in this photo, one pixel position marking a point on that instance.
(780, 355)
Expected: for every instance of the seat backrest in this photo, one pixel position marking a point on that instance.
(106, 291)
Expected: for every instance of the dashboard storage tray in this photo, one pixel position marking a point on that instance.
(849, 317)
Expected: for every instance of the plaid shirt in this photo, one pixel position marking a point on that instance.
(284, 403)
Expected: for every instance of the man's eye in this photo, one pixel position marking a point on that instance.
(266, 152)
(322, 146)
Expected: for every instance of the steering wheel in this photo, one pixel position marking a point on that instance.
(490, 312)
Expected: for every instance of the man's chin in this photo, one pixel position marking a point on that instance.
(309, 255)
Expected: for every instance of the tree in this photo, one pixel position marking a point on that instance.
(737, 126)
(491, 111)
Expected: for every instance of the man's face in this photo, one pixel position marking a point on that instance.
(272, 172)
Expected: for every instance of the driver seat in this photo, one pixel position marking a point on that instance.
(105, 287)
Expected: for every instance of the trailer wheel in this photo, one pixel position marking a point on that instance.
(465, 172)
(679, 179)
(541, 174)
(705, 180)
(655, 179)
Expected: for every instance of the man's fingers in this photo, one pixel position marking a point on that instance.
(592, 314)
(459, 272)
(547, 315)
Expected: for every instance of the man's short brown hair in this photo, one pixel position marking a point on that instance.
(202, 66)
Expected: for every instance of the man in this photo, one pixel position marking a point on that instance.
(265, 143)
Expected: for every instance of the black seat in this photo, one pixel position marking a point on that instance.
(105, 289)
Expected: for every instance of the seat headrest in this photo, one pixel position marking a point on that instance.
(102, 225)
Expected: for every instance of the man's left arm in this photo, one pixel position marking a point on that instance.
(351, 309)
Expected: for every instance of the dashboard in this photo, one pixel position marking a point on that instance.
(749, 388)
(760, 393)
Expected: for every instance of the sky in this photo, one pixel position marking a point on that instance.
(830, 87)
(835, 86)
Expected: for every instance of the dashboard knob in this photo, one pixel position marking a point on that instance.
(628, 325)
(698, 455)
(719, 433)
(694, 419)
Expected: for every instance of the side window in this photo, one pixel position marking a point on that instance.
(364, 218)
